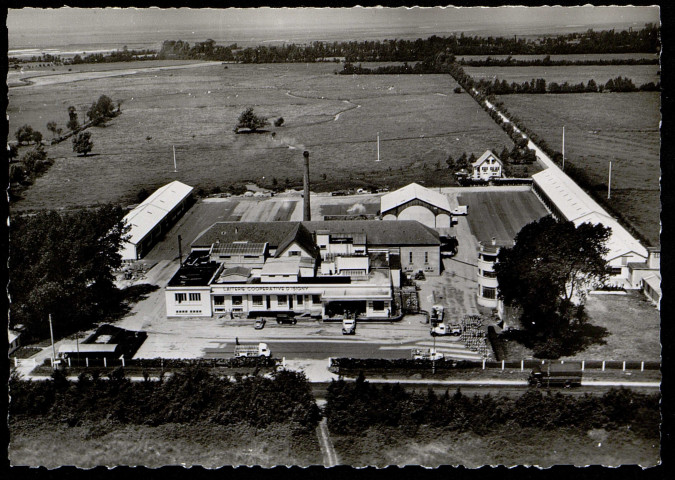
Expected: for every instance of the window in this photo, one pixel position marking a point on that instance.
(195, 297)
(300, 299)
(378, 305)
(615, 271)
(180, 297)
(489, 293)
(219, 299)
(485, 169)
(294, 254)
(316, 299)
(257, 300)
(489, 258)
(237, 300)
(282, 299)
(488, 274)
(410, 258)
(426, 257)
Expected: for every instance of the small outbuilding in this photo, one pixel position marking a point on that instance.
(415, 202)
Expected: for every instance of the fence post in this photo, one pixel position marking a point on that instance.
(583, 365)
(502, 365)
(623, 369)
(522, 365)
(603, 365)
(483, 364)
(16, 362)
(642, 366)
(69, 361)
(122, 357)
(86, 361)
(105, 362)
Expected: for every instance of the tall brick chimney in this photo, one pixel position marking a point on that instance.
(307, 212)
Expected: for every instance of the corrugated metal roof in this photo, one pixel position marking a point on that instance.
(578, 207)
(89, 348)
(239, 248)
(654, 281)
(153, 209)
(411, 192)
(281, 266)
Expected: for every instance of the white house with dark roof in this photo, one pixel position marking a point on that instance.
(415, 202)
(486, 167)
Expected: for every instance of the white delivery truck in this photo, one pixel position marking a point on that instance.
(460, 210)
(259, 350)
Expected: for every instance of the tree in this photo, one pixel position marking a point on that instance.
(551, 266)
(62, 263)
(34, 159)
(250, 121)
(82, 143)
(101, 110)
(279, 122)
(450, 162)
(26, 135)
(73, 123)
(12, 152)
(52, 127)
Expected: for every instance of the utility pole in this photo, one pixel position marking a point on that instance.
(51, 334)
(563, 149)
(175, 168)
(609, 182)
(378, 146)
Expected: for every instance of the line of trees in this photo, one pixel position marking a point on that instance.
(547, 62)
(539, 86)
(191, 395)
(354, 407)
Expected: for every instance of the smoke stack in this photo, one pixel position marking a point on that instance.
(307, 212)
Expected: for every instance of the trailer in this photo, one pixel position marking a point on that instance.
(564, 375)
(259, 350)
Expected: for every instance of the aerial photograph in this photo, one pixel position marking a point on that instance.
(361, 237)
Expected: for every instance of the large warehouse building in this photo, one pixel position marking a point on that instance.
(415, 202)
(154, 217)
(314, 268)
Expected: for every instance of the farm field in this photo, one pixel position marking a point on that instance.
(599, 128)
(500, 214)
(573, 74)
(335, 117)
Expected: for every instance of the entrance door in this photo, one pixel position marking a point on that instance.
(290, 302)
(268, 303)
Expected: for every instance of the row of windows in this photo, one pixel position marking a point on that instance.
(488, 292)
(182, 297)
(487, 273)
(257, 300)
(188, 311)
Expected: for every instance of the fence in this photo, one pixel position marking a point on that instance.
(161, 363)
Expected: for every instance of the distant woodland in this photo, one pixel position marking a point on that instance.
(645, 40)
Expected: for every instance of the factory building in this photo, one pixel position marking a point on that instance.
(415, 202)
(321, 269)
(153, 218)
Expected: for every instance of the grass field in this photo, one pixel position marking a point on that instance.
(573, 74)
(509, 446)
(208, 445)
(335, 117)
(619, 127)
(500, 214)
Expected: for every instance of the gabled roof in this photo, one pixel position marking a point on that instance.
(153, 209)
(381, 233)
(620, 242)
(300, 235)
(281, 266)
(412, 192)
(484, 157)
(272, 233)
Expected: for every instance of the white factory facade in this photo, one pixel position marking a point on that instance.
(321, 269)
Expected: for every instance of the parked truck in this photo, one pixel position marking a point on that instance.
(436, 315)
(556, 375)
(460, 210)
(349, 326)
(442, 329)
(426, 354)
(259, 350)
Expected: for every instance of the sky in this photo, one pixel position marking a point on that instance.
(63, 21)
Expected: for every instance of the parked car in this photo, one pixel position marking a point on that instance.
(286, 319)
(348, 326)
(260, 323)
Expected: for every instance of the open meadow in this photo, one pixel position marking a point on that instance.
(619, 127)
(573, 74)
(335, 117)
